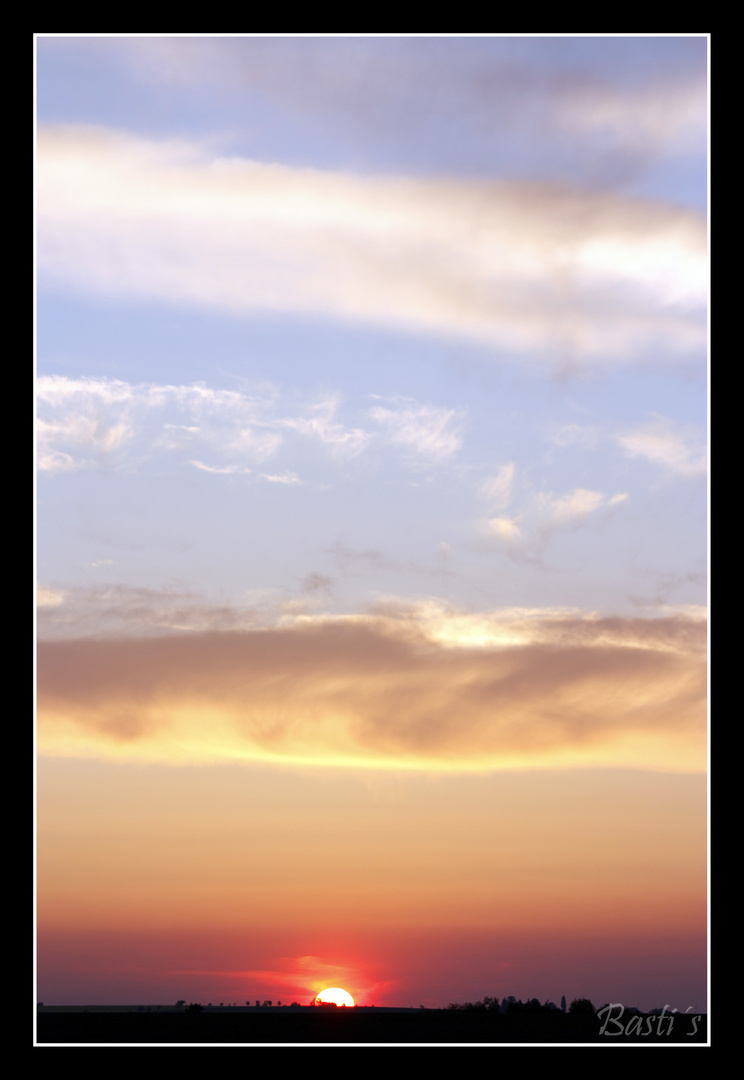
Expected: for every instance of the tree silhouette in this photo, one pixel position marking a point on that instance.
(581, 1005)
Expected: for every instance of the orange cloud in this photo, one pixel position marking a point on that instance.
(387, 691)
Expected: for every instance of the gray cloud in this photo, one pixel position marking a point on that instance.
(602, 109)
(111, 609)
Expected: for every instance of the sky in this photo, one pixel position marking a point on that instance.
(371, 518)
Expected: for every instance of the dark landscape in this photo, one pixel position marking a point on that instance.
(302, 1025)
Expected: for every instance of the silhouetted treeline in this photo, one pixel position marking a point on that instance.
(512, 1005)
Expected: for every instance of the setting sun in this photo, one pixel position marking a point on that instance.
(334, 995)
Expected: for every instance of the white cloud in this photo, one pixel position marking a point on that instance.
(214, 469)
(282, 478)
(497, 490)
(577, 505)
(528, 532)
(571, 510)
(88, 434)
(49, 598)
(505, 528)
(82, 422)
(425, 429)
(322, 425)
(660, 442)
(526, 267)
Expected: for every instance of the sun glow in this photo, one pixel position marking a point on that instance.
(334, 995)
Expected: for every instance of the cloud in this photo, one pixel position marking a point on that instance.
(424, 429)
(80, 432)
(579, 504)
(387, 692)
(315, 582)
(648, 119)
(227, 469)
(528, 267)
(49, 597)
(661, 442)
(505, 528)
(497, 490)
(528, 532)
(282, 478)
(116, 609)
(602, 107)
(82, 422)
(322, 425)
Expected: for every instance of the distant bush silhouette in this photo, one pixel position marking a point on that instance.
(581, 1005)
(194, 1007)
(477, 1006)
(511, 1005)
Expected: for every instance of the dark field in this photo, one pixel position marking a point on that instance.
(358, 1026)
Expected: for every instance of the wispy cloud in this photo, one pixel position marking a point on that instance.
(573, 508)
(387, 692)
(225, 469)
(321, 423)
(527, 532)
(680, 451)
(497, 490)
(517, 97)
(282, 478)
(111, 609)
(530, 267)
(423, 429)
(83, 422)
(505, 528)
(49, 598)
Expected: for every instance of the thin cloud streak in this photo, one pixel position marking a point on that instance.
(380, 692)
(527, 267)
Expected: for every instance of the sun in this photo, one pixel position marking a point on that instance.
(335, 995)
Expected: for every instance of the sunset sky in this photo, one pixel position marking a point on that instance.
(371, 527)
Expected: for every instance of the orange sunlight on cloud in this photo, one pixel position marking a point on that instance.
(373, 691)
